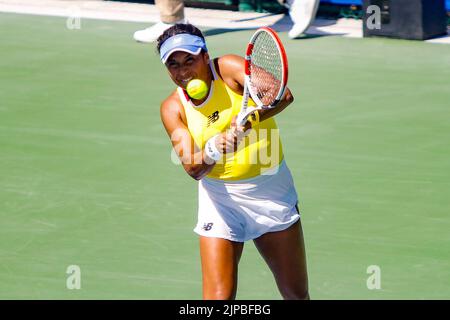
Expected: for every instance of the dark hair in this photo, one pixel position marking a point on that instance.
(178, 28)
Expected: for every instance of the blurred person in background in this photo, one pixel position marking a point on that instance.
(171, 12)
(302, 13)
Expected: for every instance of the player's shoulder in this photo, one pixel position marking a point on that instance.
(171, 102)
(231, 68)
(171, 106)
(230, 63)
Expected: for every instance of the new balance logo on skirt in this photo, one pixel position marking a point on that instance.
(207, 226)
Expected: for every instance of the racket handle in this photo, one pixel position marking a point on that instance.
(242, 117)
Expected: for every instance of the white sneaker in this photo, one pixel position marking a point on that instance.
(152, 33)
(303, 13)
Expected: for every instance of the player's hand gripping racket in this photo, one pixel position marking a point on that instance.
(266, 72)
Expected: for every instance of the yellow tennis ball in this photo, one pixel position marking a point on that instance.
(197, 89)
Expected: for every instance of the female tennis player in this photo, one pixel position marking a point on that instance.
(247, 194)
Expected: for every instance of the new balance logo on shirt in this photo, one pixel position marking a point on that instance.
(213, 118)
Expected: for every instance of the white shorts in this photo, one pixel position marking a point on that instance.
(246, 209)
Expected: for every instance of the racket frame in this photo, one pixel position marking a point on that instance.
(245, 111)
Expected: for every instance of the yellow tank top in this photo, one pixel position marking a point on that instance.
(257, 152)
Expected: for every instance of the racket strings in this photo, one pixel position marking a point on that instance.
(266, 69)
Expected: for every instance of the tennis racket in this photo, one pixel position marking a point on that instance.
(266, 72)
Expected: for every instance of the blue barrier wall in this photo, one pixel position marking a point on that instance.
(349, 2)
(342, 1)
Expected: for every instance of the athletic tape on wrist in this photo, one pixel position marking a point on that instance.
(211, 149)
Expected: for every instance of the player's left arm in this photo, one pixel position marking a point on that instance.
(231, 68)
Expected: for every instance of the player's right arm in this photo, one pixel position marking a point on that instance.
(194, 160)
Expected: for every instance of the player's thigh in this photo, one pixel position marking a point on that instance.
(219, 258)
(284, 252)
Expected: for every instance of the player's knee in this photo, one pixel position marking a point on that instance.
(220, 294)
(295, 294)
(298, 292)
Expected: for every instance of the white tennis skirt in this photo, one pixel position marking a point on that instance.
(246, 209)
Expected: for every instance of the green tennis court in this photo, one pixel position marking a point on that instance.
(86, 176)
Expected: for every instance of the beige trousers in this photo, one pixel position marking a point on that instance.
(170, 11)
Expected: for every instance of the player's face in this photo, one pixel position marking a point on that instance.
(183, 67)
